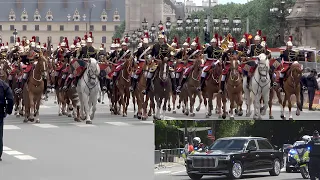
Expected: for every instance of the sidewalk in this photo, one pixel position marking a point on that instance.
(168, 164)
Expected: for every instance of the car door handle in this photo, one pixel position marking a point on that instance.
(257, 155)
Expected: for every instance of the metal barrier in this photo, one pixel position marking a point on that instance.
(311, 65)
(167, 155)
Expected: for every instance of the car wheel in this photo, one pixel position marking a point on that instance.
(276, 168)
(236, 170)
(195, 176)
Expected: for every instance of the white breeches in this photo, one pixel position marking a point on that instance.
(223, 78)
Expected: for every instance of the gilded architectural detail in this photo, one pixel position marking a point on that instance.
(36, 16)
(12, 15)
(49, 15)
(76, 15)
(24, 15)
(104, 16)
(116, 15)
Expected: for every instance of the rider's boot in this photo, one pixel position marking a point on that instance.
(281, 84)
(108, 83)
(174, 85)
(184, 80)
(114, 79)
(56, 82)
(202, 83)
(45, 84)
(133, 84)
(222, 87)
(149, 80)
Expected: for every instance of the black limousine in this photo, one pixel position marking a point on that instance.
(235, 156)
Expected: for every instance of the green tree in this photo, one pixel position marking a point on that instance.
(119, 31)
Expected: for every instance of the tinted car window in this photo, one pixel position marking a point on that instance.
(263, 144)
(251, 143)
(230, 144)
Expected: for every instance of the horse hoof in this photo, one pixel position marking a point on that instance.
(224, 116)
(88, 122)
(240, 113)
(178, 107)
(192, 115)
(76, 119)
(198, 109)
(25, 120)
(187, 114)
(209, 114)
(271, 117)
(236, 111)
(149, 114)
(69, 115)
(169, 109)
(60, 114)
(37, 121)
(231, 118)
(298, 113)
(18, 115)
(31, 119)
(124, 115)
(290, 119)
(217, 112)
(174, 112)
(135, 116)
(99, 101)
(102, 102)
(143, 119)
(55, 102)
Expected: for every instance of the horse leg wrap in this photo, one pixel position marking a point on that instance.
(173, 84)
(203, 79)
(222, 85)
(45, 86)
(148, 84)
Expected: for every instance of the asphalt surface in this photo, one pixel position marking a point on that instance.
(178, 172)
(201, 115)
(58, 148)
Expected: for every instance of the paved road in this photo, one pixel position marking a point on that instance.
(178, 173)
(57, 149)
(201, 115)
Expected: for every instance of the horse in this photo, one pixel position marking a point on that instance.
(233, 88)
(88, 88)
(211, 88)
(4, 70)
(259, 88)
(191, 88)
(72, 102)
(162, 87)
(18, 103)
(291, 86)
(104, 81)
(122, 86)
(274, 91)
(33, 90)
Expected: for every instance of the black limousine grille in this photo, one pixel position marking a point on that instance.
(204, 162)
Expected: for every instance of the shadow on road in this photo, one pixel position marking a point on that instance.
(226, 178)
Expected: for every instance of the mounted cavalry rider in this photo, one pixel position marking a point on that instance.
(182, 55)
(243, 46)
(113, 54)
(288, 56)
(213, 54)
(253, 52)
(142, 56)
(227, 55)
(61, 62)
(124, 54)
(160, 51)
(193, 54)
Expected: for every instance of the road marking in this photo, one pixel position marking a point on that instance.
(45, 107)
(83, 125)
(118, 123)
(147, 122)
(10, 127)
(5, 148)
(25, 157)
(178, 172)
(163, 172)
(45, 125)
(13, 152)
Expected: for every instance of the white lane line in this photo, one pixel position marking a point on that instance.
(5, 148)
(147, 122)
(162, 172)
(178, 172)
(10, 127)
(13, 152)
(25, 157)
(118, 123)
(83, 125)
(45, 125)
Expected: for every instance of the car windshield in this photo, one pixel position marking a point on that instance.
(228, 144)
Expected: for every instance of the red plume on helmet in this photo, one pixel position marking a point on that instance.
(216, 36)
(146, 35)
(188, 40)
(18, 39)
(90, 34)
(85, 37)
(290, 38)
(45, 45)
(39, 43)
(196, 40)
(259, 32)
(7, 44)
(75, 42)
(264, 38)
(175, 40)
(79, 39)
(33, 38)
(246, 36)
(126, 40)
(114, 41)
(23, 43)
(118, 41)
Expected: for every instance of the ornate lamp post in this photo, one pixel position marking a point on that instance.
(216, 24)
(153, 32)
(179, 27)
(145, 25)
(15, 33)
(188, 25)
(168, 26)
(237, 25)
(196, 27)
(225, 23)
(280, 10)
(134, 40)
(205, 24)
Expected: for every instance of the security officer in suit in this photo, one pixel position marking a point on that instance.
(6, 107)
(314, 155)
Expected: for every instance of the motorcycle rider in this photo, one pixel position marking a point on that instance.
(314, 155)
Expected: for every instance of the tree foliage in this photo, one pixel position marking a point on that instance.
(119, 31)
(278, 132)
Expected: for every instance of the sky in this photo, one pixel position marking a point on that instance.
(198, 2)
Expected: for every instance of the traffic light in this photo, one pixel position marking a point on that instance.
(207, 37)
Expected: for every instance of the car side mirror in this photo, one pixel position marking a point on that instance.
(252, 149)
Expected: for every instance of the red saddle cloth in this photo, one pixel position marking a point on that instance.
(140, 67)
(78, 66)
(285, 66)
(249, 66)
(27, 68)
(118, 67)
(103, 66)
(227, 68)
(14, 69)
(180, 67)
(208, 65)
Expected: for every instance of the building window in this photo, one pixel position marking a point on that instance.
(61, 39)
(49, 27)
(37, 39)
(91, 27)
(116, 27)
(36, 27)
(76, 28)
(11, 39)
(61, 27)
(104, 39)
(104, 27)
(24, 27)
(11, 27)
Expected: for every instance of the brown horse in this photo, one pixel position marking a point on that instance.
(33, 90)
(274, 91)
(18, 103)
(292, 87)
(211, 88)
(233, 90)
(121, 90)
(191, 88)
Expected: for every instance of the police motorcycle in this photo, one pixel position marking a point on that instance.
(301, 156)
(197, 146)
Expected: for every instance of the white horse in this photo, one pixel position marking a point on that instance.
(88, 88)
(259, 87)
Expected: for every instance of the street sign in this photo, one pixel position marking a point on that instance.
(209, 132)
(211, 137)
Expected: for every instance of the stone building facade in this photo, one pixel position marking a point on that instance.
(45, 18)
